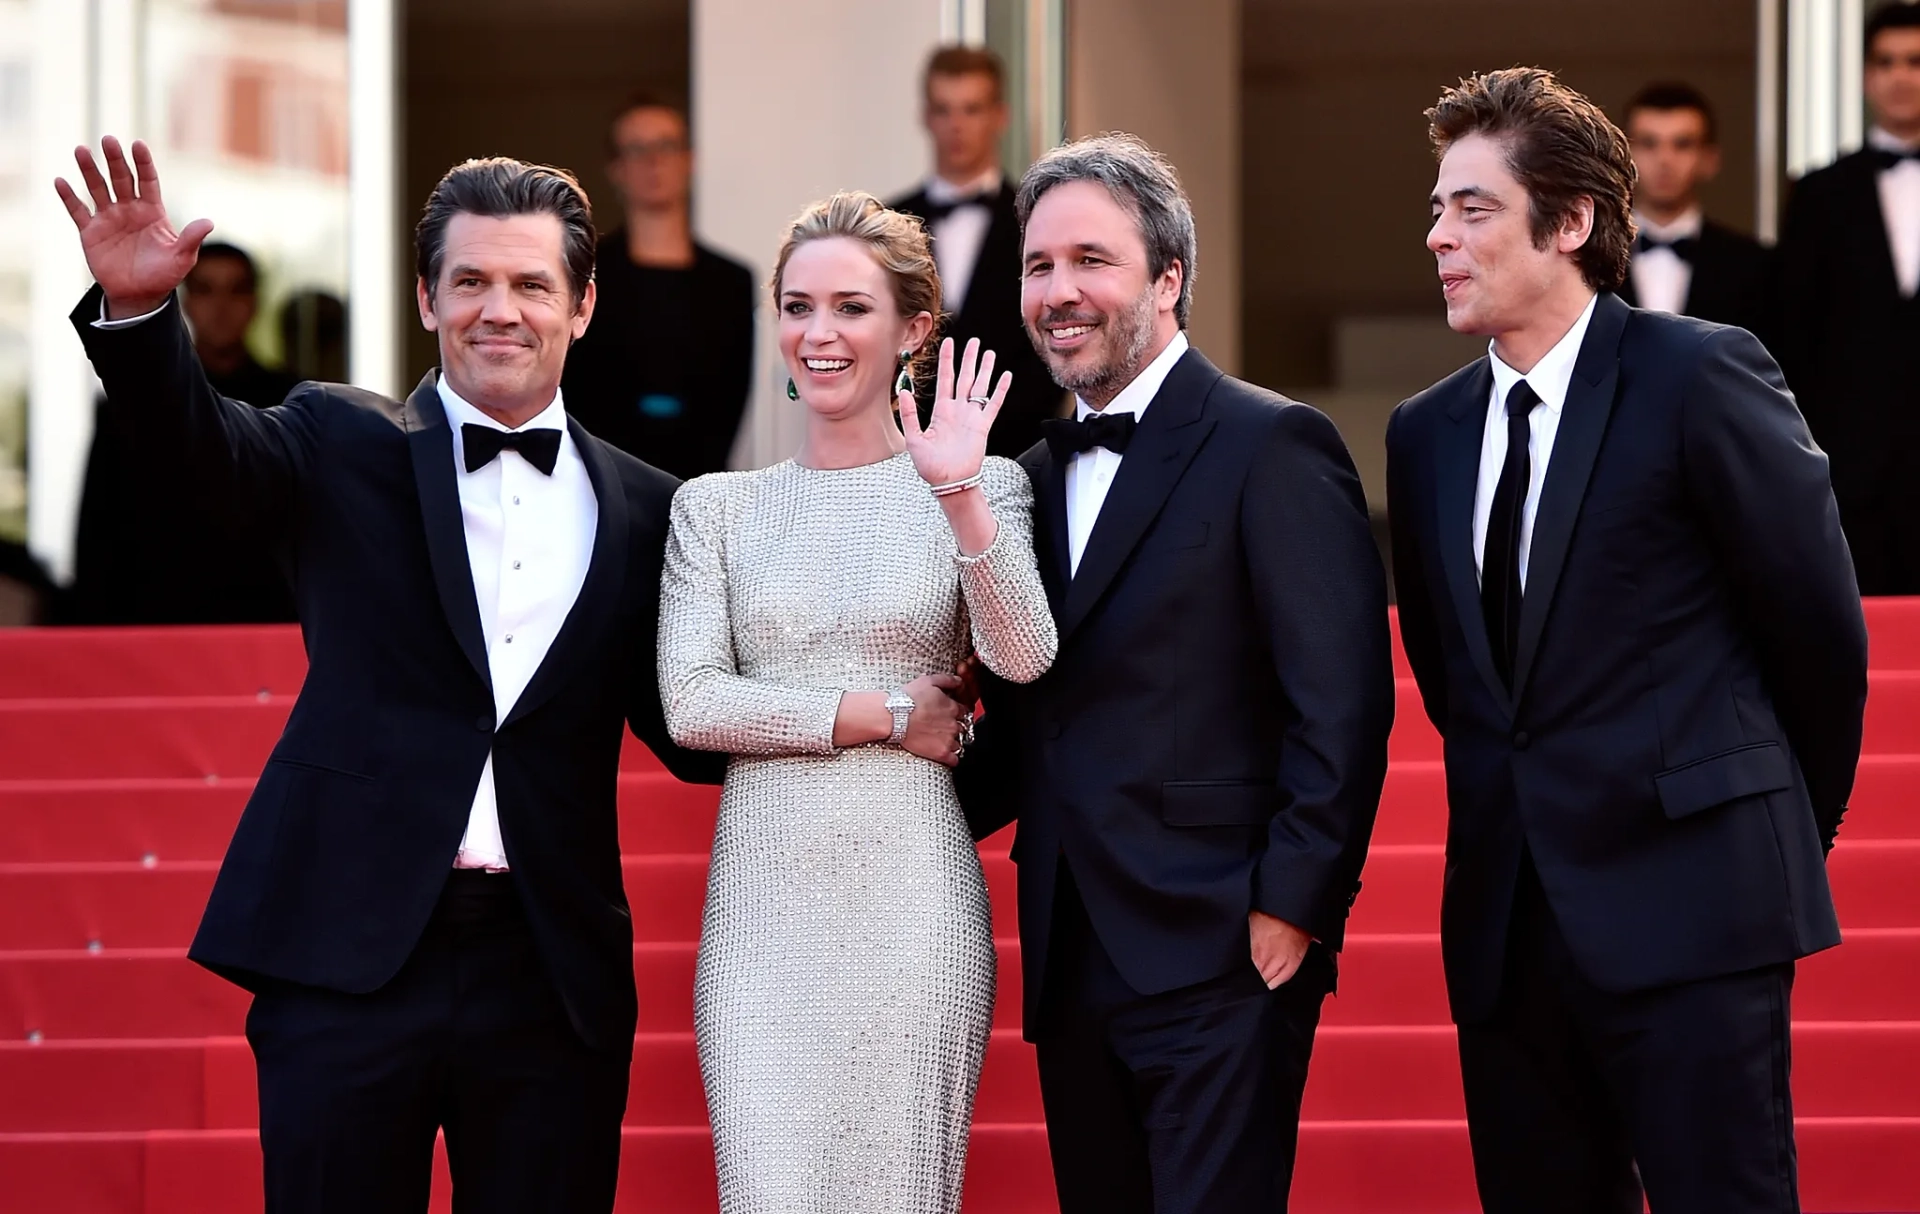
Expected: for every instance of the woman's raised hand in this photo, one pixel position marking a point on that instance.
(954, 443)
(131, 249)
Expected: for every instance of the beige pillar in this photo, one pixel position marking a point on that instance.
(1171, 75)
(789, 105)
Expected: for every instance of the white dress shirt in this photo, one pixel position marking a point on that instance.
(1090, 474)
(1900, 206)
(1661, 277)
(529, 540)
(1550, 380)
(958, 237)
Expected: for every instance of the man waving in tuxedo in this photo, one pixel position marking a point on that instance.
(424, 892)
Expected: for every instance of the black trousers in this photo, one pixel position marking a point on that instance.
(1576, 1096)
(1186, 1102)
(470, 1038)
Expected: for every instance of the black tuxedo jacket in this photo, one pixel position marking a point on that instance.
(352, 828)
(1849, 341)
(1686, 716)
(991, 312)
(1212, 737)
(1732, 282)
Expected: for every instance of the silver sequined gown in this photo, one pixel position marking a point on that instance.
(845, 983)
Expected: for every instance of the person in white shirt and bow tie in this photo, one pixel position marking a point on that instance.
(424, 893)
(1683, 262)
(1849, 332)
(1196, 777)
(967, 205)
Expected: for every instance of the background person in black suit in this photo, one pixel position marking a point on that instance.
(665, 371)
(1196, 778)
(968, 208)
(140, 555)
(1628, 605)
(1850, 321)
(424, 892)
(1683, 262)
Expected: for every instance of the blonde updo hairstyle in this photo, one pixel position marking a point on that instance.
(897, 241)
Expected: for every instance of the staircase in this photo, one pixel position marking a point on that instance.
(126, 1088)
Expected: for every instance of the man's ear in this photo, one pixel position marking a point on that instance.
(584, 313)
(1709, 163)
(1578, 227)
(428, 320)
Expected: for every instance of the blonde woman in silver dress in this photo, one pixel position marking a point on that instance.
(812, 614)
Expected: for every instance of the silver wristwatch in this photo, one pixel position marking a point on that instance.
(900, 704)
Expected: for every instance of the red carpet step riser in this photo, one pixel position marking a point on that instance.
(1412, 1167)
(231, 736)
(74, 994)
(1841, 1068)
(60, 821)
(132, 905)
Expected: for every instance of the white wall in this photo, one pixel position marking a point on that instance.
(790, 104)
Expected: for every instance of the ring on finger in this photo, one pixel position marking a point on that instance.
(982, 401)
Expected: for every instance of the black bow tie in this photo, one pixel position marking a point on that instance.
(1890, 158)
(483, 444)
(1067, 437)
(936, 211)
(1682, 247)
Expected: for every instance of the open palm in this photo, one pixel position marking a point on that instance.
(954, 443)
(131, 249)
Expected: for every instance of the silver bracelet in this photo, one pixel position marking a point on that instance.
(953, 487)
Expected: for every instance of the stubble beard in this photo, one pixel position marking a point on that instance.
(1125, 339)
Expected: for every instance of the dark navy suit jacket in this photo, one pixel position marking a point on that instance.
(351, 831)
(1212, 737)
(1685, 720)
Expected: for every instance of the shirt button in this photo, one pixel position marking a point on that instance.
(516, 564)
(509, 638)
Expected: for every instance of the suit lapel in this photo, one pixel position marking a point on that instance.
(1583, 424)
(431, 443)
(1457, 481)
(599, 594)
(1049, 478)
(1170, 433)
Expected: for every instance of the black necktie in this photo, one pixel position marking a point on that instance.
(1067, 437)
(1682, 247)
(1891, 158)
(1500, 560)
(936, 211)
(483, 445)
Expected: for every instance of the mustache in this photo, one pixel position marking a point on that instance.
(1068, 317)
(511, 333)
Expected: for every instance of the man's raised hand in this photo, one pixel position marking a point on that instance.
(131, 249)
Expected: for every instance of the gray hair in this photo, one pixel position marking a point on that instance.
(1140, 179)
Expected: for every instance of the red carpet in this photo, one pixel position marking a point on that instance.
(125, 1087)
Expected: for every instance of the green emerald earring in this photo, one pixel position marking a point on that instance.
(793, 393)
(904, 381)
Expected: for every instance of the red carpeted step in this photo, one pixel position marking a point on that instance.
(1384, 1072)
(67, 821)
(1384, 979)
(145, 738)
(138, 905)
(1893, 634)
(47, 663)
(1851, 1164)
